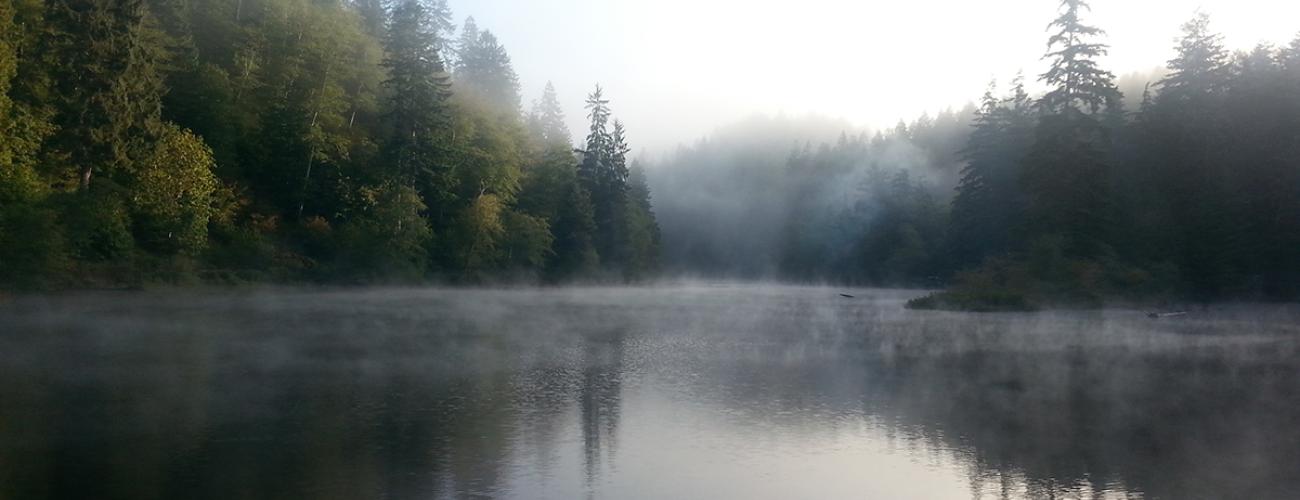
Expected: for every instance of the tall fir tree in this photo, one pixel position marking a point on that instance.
(467, 41)
(1201, 67)
(546, 121)
(1075, 79)
(598, 139)
(603, 173)
(443, 27)
(108, 93)
(1067, 175)
(419, 90)
(484, 69)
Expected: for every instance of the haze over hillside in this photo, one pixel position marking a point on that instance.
(681, 68)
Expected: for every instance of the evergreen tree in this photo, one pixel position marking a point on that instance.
(1259, 175)
(419, 89)
(641, 227)
(467, 41)
(374, 13)
(616, 170)
(598, 141)
(443, 28)
(1201, 67)
(282, 98)
(574, 229)
(1067, 175)
(546, 121)
(484, 69)
(1187, 184)
(988, 203)
(1075, 79)
(108, 94)
(603, 173)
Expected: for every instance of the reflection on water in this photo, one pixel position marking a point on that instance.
(684, 392)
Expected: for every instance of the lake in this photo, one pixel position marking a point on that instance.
(680, 392)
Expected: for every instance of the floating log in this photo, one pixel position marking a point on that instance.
(1158, 315)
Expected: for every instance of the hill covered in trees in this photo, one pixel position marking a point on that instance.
(374, 141)
(1065, 197)
(295, 140)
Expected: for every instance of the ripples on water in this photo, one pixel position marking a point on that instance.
(672, 392)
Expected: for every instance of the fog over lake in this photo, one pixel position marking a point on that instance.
(681, 391)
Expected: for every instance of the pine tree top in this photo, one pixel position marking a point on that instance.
(1079, 83)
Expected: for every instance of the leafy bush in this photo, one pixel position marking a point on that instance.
(172, 199)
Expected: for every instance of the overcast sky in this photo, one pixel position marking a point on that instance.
(677, 69)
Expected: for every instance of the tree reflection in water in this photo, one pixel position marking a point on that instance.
(688, 391)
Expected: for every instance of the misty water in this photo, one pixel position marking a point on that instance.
(697, 391)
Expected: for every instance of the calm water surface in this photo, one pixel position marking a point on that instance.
(669, 392)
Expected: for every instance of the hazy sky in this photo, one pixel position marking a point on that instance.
(676, 69)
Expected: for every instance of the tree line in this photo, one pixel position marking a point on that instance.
(810, 200)
(1190, 192)
(296, 140)
(1195, 195)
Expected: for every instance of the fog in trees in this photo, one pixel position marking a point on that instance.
(366, 142)
(290, 141)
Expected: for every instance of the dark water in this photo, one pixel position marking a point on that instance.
(680, 392)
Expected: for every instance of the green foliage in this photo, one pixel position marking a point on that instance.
(107, 91)
(171, 198)
(1046, 276)
(479, 230)
(544, 190)
(574, 229)
(417, 111)
(488, 151)
(603, 174)
(484, 70)
(33, 253)
(235, 140)
(528, 241)
(385, 238)
(641, 228)
(8, 68)
(98, 225)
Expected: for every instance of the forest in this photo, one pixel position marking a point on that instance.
(365, 141)
(232, 141)
(1083, 194)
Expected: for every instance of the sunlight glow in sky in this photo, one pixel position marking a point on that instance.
(677, 69)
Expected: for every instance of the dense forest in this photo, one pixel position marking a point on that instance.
(179, 141)
(1190, 191)
(373, 141)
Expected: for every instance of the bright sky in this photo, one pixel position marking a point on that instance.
(677, 69)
